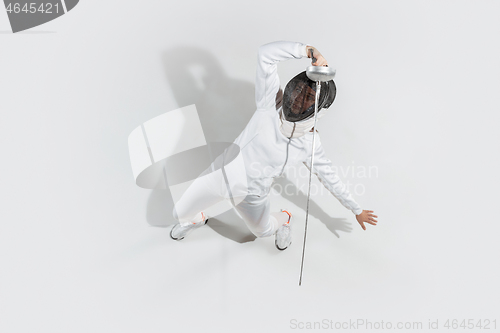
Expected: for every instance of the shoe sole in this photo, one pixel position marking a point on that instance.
(289, 220)
(178, 239)
(281, 248)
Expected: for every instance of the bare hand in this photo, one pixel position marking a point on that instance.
(320, 60)
(366, 217)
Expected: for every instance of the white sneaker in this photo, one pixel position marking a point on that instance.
(178, 232)
(283, 236)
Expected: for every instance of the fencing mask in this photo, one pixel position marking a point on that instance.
(297, 113)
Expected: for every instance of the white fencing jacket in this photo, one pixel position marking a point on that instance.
(262, 144)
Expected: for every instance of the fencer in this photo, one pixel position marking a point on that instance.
(278, 136)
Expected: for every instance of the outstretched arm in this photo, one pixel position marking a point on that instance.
(330, 179)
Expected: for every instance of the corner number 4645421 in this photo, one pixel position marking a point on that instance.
(46, 8)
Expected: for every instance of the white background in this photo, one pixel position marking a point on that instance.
(83, 249)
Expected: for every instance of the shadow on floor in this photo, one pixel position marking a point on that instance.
(334, 224)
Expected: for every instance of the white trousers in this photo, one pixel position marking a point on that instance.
(206, 191)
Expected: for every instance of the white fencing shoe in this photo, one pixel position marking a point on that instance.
(283, 236)
(178, 232)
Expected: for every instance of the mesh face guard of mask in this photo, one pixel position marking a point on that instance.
(300, 94)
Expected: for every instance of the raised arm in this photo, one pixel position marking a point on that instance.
(267, 83)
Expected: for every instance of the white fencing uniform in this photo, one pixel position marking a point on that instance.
(264, 151)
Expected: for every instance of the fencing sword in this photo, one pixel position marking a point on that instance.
(318, 74)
